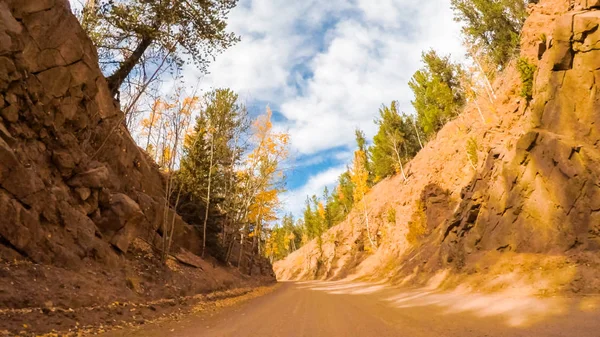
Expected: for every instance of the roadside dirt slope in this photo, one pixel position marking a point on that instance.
(526, 215)
(81, 206)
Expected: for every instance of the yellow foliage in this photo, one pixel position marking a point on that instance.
(321, 210)
(167, 127)
(340, 192)
(359, 175)
(261, 176)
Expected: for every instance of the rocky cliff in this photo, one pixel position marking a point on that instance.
(528, 214)
(81, 206)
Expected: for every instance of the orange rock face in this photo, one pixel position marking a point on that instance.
(529, 209)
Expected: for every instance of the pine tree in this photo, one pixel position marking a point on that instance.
(210, 153)
(493, 25)
(438, 93)
(395, 142)
(127, 31)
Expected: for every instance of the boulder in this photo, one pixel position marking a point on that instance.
(81, 73)
(190, 259)
(586, 36)
(8, 26)
(64, 161)
(561, 51)
(33, 6)
(22, 182)
(8, 160)
(92, 178)
(46, 59)
(8, 71)
(56, 81)
(83, 193)
(15, 223)
(6, 135)
(134, 284)
(121, 220)
(123, 238)
(10, 113)
(76, 223)
(592, 4)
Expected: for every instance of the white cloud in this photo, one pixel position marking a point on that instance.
(327, 66)
(354, 55)
(316, 183)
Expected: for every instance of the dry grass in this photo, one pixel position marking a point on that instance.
(417, 226)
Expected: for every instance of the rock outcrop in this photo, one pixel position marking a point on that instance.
(531, 209)
(80, 203)
(71, 174)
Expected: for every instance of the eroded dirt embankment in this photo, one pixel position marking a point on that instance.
(527, 215)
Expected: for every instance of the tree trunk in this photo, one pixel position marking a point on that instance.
(400, 162)
(417, 131)
(212, 152)
(488, 85)
(118, 77)
(152, 115)
(228, 189)
(229, 250)
(367, 224)
(173, 221)
(479, 110)
(241, 250)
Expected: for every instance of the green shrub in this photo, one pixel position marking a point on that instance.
(391, 215)
(472, 148)
(417, 226)
(527, 71)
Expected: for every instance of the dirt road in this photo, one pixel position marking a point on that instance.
(334, 309)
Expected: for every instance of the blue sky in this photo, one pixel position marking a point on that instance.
(325, 67)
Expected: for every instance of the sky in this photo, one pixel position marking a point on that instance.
(325, 68)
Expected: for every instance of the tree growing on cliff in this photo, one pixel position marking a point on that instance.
(492, 25)
(360, 179)
(126, 30)
(361, 143)
(394, 143)
(438, 93)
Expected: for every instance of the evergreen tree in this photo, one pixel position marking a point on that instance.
(206, 172)
(345, 195)
(493, 25)
(438, 93)
(125, 31)
(395, 142)
(310, 220)
(327, 199)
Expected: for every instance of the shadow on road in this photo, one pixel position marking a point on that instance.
(515, 307)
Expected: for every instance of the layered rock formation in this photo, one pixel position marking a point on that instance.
(71, 176)
(531, 207)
